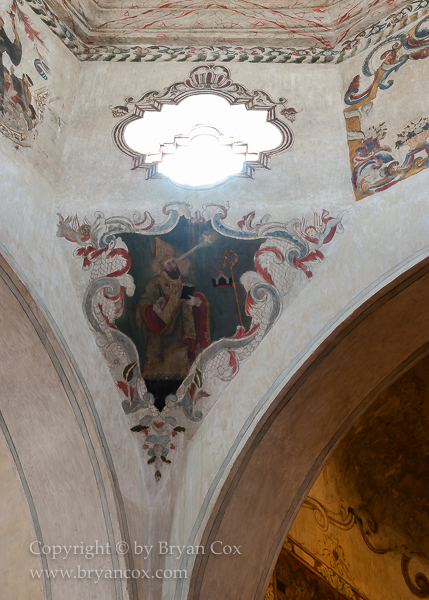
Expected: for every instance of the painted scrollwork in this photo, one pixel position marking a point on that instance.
(282, 252)
(368, 529)
(376, 166)
(324, 517)
(205, 79)
(420, 587)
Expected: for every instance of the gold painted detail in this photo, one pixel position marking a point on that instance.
(336, 581)
(324, 517)
(320, 569)
(270, 593)
(421, 586)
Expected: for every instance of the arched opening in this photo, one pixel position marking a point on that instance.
(361, 533)
(285, 454)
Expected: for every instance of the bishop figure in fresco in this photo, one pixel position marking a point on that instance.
(175, 322)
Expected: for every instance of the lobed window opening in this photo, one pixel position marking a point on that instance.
(203, 140)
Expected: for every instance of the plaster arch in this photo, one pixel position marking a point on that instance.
(56, 448)
(290, 445)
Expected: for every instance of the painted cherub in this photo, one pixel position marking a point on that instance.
(73, 232)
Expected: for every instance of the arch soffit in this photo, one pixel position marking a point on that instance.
(290, 445)
(38, 319)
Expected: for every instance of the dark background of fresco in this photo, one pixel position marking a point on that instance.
(204, 266)
(295, 581)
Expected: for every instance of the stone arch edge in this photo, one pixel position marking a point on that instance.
(81, 400)
(394, 288)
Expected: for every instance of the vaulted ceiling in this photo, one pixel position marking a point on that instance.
(290, 23)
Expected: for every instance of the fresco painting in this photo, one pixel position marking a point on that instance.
(186, 297)
(399, 414)
(307, 34)
(22, 99)
(377, 165)
(178, 302)
(365, 518)
(299, 575)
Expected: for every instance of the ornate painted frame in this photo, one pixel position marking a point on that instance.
(376, 167)
(206, 79)
(284, 262)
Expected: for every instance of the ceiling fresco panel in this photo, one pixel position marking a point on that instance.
(234, 24)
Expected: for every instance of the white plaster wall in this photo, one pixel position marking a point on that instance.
(319, 147)
(381, 234)
(384, 235)
(30, 180)
(50, 447)
(312, 175)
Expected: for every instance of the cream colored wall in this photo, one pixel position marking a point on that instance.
(319, 145)
(58, 455)
(16, 535)
(99, 178)
(383, 235)
(30, 180)
(313, 174)
(376, 246)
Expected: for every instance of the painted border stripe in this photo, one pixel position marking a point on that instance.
(33, 512)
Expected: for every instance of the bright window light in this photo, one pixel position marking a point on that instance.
(203, 158)
(203, 140)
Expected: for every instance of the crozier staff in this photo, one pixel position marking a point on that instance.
(12, 49)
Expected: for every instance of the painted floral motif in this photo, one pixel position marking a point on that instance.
(333, 552)
(158, 445)
(376, 167)
(163, 49)
(301, 574)
(270, 592)
(337, 582)
(298, 582)
(232, 282)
